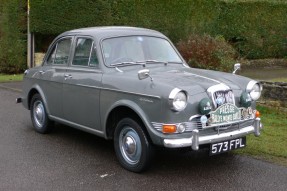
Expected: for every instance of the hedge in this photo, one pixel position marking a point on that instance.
(174, 18)
(12, 36)
(257, 29)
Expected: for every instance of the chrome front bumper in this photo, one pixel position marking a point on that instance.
(195, 140)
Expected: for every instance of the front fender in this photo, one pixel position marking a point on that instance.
(126, 103)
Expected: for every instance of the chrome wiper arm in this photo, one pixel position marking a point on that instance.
(121, 63)
(157, 61)
(149, 61)
(174, 62)
(126, 64)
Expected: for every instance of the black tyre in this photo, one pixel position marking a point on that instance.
(133, 148)
(39, 117)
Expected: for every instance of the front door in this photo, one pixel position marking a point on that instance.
(82, 85)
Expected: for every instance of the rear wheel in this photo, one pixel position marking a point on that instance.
(39, 117)
(132, 147)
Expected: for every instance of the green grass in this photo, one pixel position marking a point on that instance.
(11, 78)
(279, 80)
(272, 143)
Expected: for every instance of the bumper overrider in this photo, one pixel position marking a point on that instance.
(195, 140)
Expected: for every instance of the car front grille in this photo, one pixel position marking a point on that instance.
(222, 97)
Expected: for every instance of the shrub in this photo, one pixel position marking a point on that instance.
(203, 51)
(257, 29)
(12, 36)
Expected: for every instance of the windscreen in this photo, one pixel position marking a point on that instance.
(138, 49)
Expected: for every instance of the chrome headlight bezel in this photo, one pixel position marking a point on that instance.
(254, 89)
(178, 99)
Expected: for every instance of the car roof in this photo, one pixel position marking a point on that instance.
(112, 31)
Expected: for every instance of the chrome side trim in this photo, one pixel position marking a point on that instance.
(134, 93)
(126, 92)
(203, 77)
(77, 126)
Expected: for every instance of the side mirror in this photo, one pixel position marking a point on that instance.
(143, 74)
(237, 66)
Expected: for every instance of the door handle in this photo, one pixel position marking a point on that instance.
(66, 76)
(42, 72)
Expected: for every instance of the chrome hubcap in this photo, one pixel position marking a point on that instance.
(130, 145)
(39, 113)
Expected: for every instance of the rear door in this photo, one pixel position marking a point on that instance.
(82, 85)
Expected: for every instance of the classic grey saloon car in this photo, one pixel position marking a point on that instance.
(131, 85)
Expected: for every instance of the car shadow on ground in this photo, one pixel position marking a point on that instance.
(171, 159)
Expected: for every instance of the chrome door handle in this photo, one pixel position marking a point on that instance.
(68, 76)
(42, 72)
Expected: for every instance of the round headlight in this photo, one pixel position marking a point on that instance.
(178, 99)
(254, 89)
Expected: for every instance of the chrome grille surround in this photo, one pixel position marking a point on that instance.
(220, 94)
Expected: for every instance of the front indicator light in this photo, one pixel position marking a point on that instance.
(168, 128)
(257, 114)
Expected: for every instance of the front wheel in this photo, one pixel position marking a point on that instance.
(132, 147)
(39, 117)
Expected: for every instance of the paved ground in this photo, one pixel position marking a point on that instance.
(68, 159)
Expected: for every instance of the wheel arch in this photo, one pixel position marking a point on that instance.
(123, 109)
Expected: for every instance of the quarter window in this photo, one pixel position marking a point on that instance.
(60, 52)
(85, 54)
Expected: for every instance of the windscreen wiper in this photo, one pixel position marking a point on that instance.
(157, 61)
(127, 64)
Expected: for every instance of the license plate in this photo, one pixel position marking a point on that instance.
(225, 146)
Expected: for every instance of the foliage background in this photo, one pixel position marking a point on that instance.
(255, 28)
(12, 36)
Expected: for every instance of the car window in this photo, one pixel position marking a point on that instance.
(85, 54)
(60, 52)
(137, 49)
(94, 59)
(63, 51)
(132, 46)
(52, 55)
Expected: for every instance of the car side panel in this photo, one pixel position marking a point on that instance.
(81, 96)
